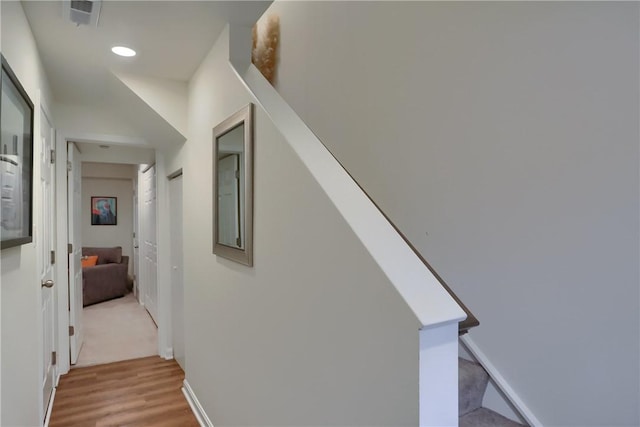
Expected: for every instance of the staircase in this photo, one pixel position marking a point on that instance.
(472, 383)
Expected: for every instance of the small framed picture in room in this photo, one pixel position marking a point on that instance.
(104, 210)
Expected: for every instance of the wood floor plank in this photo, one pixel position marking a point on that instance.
(142, 393)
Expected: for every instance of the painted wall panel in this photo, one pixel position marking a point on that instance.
(90, 119)
(502, 139)
(120, 234)
(20, 322)
(108, 170)
(167, 97)
(313, 334)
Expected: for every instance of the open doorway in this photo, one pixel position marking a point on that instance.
(116, 326)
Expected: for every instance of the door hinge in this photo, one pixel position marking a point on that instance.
(53, 257)
(54, 357)
(53, 156)
(237, 174)
(238, 242)
(69, 167)
(72, 331)
(69, 248)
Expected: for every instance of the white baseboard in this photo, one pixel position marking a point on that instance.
(168, 353)
(50, 408)
(493, 398)
(197, 409)
(500, 381)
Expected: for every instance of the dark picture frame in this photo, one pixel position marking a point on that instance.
(104, 210)
(16, 161)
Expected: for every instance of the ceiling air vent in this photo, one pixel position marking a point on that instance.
(82, 12)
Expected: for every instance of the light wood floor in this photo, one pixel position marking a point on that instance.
(140, 392)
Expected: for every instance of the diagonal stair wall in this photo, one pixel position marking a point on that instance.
(315, 333)
(502, 139)
(435, 309)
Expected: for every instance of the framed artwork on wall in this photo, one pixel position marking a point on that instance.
(16, 161)
(104, 210)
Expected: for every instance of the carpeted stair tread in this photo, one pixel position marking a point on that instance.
(483, 417)
(472, 382)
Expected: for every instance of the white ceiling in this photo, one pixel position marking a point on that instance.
(171, 38)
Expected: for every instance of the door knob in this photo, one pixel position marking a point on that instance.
(47, 283)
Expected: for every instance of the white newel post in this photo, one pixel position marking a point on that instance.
(438, 385)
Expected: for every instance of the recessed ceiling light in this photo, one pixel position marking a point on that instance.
(123, 51)
(103, 146)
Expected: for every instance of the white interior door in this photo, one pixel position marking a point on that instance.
(177, 278)
(46, 245)
(229, 201)
(150, 244)
(74, 180)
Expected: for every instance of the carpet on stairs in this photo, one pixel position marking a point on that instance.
(472, 384)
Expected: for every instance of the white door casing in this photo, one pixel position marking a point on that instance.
(177, 278)
(62, 274)
(150, 243)
(46, 244)
(136, 241)
(75, 264)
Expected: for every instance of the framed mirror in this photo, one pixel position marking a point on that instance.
(16, 161)
(233, 187)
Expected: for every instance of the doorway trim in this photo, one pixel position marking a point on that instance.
(176, 232)
(164, 320)
(163, 223)
(62, 274)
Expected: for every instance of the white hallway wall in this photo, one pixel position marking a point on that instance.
(0, 270)
(313, 334)
(20, 325)
(93, 121)
(502, 138)
(110, 180)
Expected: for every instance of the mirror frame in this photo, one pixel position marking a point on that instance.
(243, 256)
(26, 172)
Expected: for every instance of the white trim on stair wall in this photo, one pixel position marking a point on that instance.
(195, 405)
(47, 418)
(499, 381)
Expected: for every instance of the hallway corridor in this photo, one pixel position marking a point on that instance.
(139, 392)
(116, 330)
